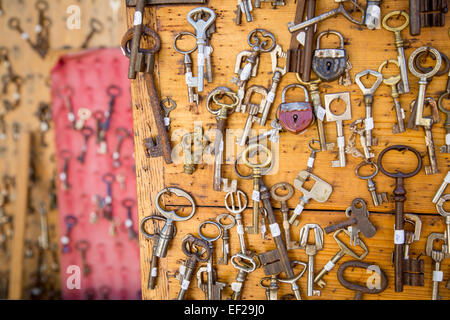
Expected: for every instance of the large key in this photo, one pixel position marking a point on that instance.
(201, 27)
(368, 102)
(311, 251)
(320, 192)
(191, 247)
(403, 86)
(446, 95)
(393, 82)
(438, 257)
(399, 192)
(346, 115)
(343, 250)
(222, 114)
(377, 198)
(225, 236)
(446, 215)
(442, 188)
(283, 199)
(212, 288)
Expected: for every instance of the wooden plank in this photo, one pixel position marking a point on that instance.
(17, 255)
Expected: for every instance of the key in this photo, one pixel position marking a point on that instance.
(190, 247)
(14, 24)
(246, 7)
(446, 215)
(256, 176)
(414, 269)
(272, 288)
(121, 179)
(190, 80)
(128, 204)
(403, 86)
(253, 110)
(442, 188)
(113, 92)
(283, 199)
(339, 10)
(360, 289)
(168, 105)
(358, 218)
(100, 132)
(121, 135)
(212, 288)
(42, 28)
(66, 94)
(399, 192)
(357, 128)
(311, 251)
(438, 257)
(83, 246)
(66, 156)
(273, 134)
(312, 156)
(201, 26)
(446, 95)
(346, 115)
(222, 114)
(320, 192)
(225, 236)
(377, 198)
(104, 292)
(108, 179)
(343, 250)
(70, 222)
(393, 82)
(96, 27)
(368, 102)
(87, 133)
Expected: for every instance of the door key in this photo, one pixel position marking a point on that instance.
(377, 198)
(311, 251)
(225, 236)
(438, 257)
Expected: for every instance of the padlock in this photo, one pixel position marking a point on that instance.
(329, 64)
(295, 117)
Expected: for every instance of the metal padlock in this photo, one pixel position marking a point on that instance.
(329, 64)
(295, 117)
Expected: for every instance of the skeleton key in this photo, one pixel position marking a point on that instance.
(283, 199)
(108, 179)
(66, 94)
(42, 28)
(222, 114)
(393, 82)
(66, 155)
(377, 198)
(191, 248)
(403, 86)
(113, 92)
(201, 26)
(100, 134)
(121, 134)
(446, 215)
(14, 24)
(253, 110)
(399, 192)
(343, 250)
(168, 105)
(96, 27)
(442, 188)
(346, 115)
(87, 133)
(246, 7)
(320, 192)
(437, 257)
(128, 204)
(368, 101)
(70, 222)
(225, 236)
(446, 95)
(212, 288)
(311, 251)
(208, 48)
(190, 80)
(83, 246)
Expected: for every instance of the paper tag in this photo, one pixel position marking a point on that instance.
(154, 272)
(275, 230)
(240, 229)
(137, 18)
(245, 73)
(128, 223)
(62, 176)
(185, 284)
(208, 267)
(44, 126)
(329, 266)
(16, 96)
(226, 247)
(271, 97)
(447, 177)
(341, 141)
(298, 209)
(38, 28)
(403, 113)
(447, 139)
(25, 36)
(182, 270)
(311, 162)
(236, 286)
(256, 196)
(166, 121)
(399, 237)
(321, 113)
(116, 155)
(263, 229)
(65, 240)
(438, 276)
(201, 59)
(369, 123)
(71, 117)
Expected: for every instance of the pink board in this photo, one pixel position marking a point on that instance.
(114, 259)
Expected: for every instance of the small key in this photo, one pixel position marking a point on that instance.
(128, 204)
(121, 134)
(438, 257)
(225, 236)
(168, 105)
(66, 155)
(96, 27)
(87, 133)
(311, 251)
(377, 198)
(83, 246)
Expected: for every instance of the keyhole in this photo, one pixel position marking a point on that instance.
(295, 118)
(329, 66)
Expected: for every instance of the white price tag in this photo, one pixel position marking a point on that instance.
(38, 28)
(245, 74)
(44, 126)
(208, 267)
(25, 36)
(403, 113)
(236, 286)
(62, 176)
(185, 284)
(65, 240)
(201, 59)
(341, 141)
(137, 18)
(166, 121)
(399, 237)
(311, 161)
(438, 276)
(271, 97)
(321, 113)
(240, 229)
(154, 272)
(256, 196)
(369, 124)
(116, 155)
(128, 223)
(447, 177)
(182, 270)
(263, 229)
(329, 266)
(71, 117)
(447, 139)
(298, 209)
(16, 96)
(275, 230)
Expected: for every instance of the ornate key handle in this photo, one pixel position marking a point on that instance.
(151, 236)
(420, 58)
(201, 26)
(400, 175)
(225, 109)
(206, 238)
(256, 166)
(412, 63)
(393, 80)
(362, 87)
(251, 151)
(261, 40)
(241, 205)
(244, 262)
(196, 248)
(224, 216)
(172, 215)
(360, 289)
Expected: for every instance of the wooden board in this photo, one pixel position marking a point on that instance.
(366, 49)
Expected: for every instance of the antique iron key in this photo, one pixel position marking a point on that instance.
(70, 222)
(121, 135)
(128, 204)
(377, 198)
(399, 192)
(66, 155)
(437, 257)
(83, 246)
(225, 236)
(311, 251)
(96, 28)
(87, 133)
